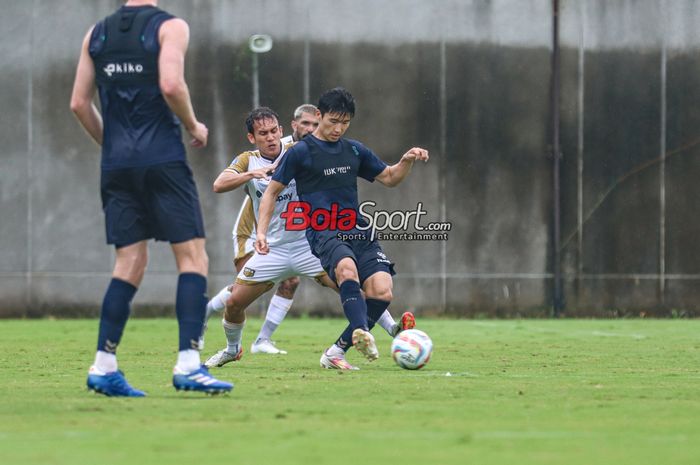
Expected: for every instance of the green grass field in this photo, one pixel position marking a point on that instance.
(495, 392)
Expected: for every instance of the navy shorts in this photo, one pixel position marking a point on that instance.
(151, 202)
(368, 255)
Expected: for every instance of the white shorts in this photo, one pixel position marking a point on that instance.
(282, 262)
(242, 246)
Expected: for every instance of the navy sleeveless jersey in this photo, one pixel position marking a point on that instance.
(139, 127)
(326, 172)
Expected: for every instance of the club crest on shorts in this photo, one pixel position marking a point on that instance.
(248, 272)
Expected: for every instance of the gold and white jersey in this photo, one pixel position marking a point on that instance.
(244, 227)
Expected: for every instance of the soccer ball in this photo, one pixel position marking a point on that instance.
(411, 349)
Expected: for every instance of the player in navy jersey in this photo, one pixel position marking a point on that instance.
(135, 58)
(325, 167)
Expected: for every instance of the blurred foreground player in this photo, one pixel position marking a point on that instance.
(136, 57)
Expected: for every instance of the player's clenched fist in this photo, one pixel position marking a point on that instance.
(416, 153)
(261, 245)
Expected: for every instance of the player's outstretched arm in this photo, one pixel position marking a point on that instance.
(267, 207)
(83, 92)
(393, 175)
(229, 180)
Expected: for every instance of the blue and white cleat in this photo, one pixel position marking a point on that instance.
(199, 380)
(112, 384)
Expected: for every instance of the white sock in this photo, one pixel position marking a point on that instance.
(387, 322)
(105, 362)
(188, 361)
(276, 311)
(217, 303)
(335, 350)
(234, 333)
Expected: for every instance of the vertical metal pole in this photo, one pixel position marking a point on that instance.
(442, 169)
(580, 148)
(662, 165)
(256, 84)
(307, 60)
(307, 70)
(29, 296)
(558, 297)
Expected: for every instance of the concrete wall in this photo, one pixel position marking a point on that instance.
(468, 80)
(630, 142)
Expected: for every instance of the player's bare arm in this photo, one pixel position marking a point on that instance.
(81, 101)
(393, 175)
(267, 207)
(230, 180)
(174, 36)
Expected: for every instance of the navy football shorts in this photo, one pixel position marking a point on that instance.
(368, 255)
(151, 202)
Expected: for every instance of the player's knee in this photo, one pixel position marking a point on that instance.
(137, 265)
(346, 271)
(204, 263)
(200, 260)
(384, 294)
(288, 287)
(191, 257)
(130, 267)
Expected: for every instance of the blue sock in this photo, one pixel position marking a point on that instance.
(190, 307)
(116, 307)
(354, 305)
(375, 308)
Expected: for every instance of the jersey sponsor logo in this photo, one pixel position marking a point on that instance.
(298, 217)
(337, 170)
(283, 197)
(355, 151)
(123, 68)
(248, 272)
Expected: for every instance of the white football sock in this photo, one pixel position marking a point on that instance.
(234, 333)
(387, 322)
(105, 362)
(336, 350)
(276, 311)
(188, 361)
(217, 303)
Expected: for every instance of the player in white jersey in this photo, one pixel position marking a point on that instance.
(290, 254)
(304, 122)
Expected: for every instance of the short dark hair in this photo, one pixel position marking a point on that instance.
(337, 100)
(259, 114)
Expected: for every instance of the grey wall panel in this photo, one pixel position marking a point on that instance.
(498, 174)
(683, 165)
(621, 134)
(15, 123)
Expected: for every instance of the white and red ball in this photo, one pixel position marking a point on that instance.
(411, 349)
